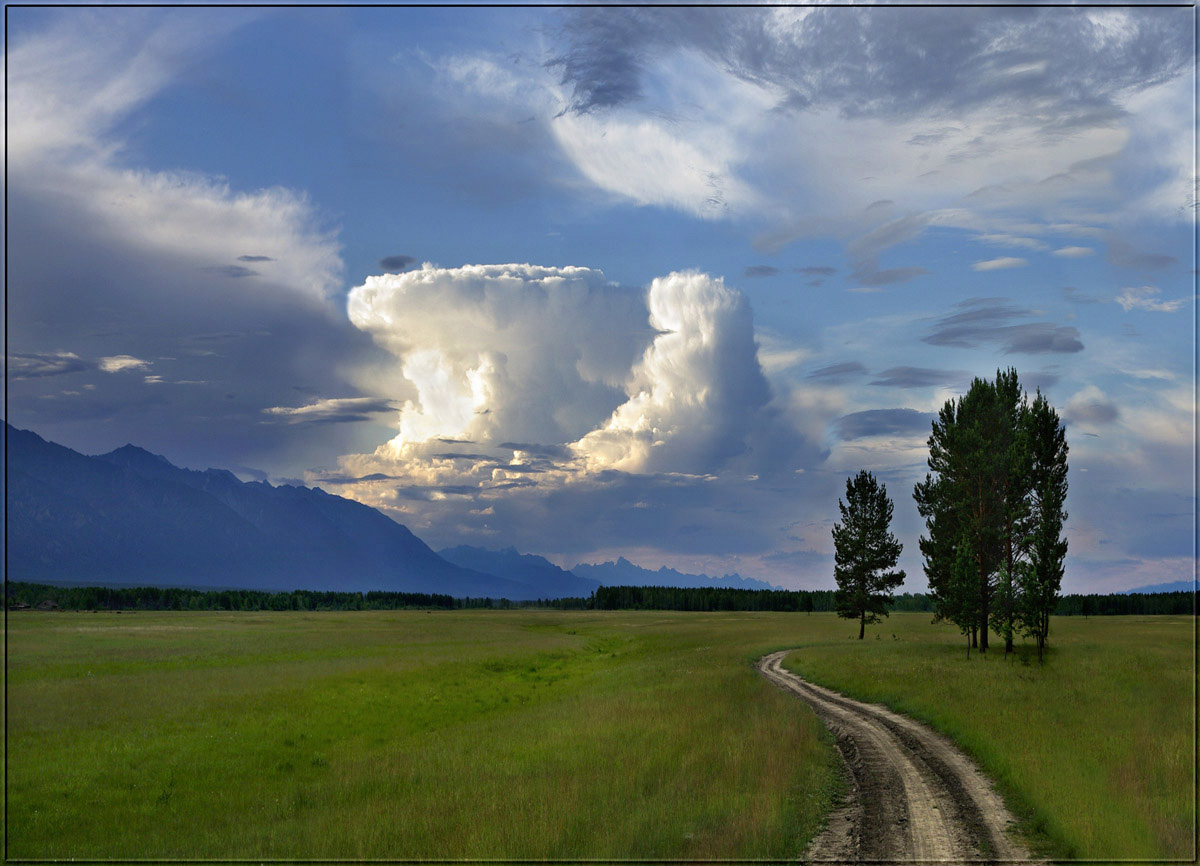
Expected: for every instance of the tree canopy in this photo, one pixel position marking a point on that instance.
(992, 504)
(864, 551)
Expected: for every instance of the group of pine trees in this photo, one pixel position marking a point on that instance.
(993, 507)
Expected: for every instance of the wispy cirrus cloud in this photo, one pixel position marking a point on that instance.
(1146, 298)
(332, 410)
(1002, 263)
(36, 365)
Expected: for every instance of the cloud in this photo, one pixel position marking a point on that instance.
(1091, 406)
(395, 264)
(1124, 255)
(816, 271)
(838, 372)
(1144, 298)
(333, 410)
(233, 272)
(986, 320)
(163, 255)
(919, 377)
(864, 251)
(36, 365)
(882, 422)
(1075, 296)
(1074, 252)
(698, 395)
(501, 352)
(122, 364)
(1072, 65)
(761, 271)
(1002, 263)
(566, 443)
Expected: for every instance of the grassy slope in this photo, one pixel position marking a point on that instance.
(1095, 749)
(408, 734)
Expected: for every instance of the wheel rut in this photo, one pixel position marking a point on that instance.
(913, 795)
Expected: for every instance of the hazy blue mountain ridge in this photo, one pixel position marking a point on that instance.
(529, 569)
(625, 573)
(129, 516)
(1174, 586)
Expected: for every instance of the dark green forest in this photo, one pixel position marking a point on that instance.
(705, 598)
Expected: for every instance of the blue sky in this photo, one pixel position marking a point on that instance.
(599, 282)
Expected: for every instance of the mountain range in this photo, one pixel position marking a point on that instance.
(625, 573)
(131, 517)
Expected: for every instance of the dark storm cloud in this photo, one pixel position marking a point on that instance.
(889, 62)
(395, 264)
(761, 271)
(879, 422)
(605, 53)
(837, 372)
(204, 329)
(919, 377)
(255, 259)
(989, 320)
(36, 365)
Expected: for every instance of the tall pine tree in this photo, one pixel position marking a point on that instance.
(864, 552)
(994, 495)
(1042, 575)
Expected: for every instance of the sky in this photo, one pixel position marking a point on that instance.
(593, 282)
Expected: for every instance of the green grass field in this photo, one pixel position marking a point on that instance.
(523, 734)
(1094, 750)
(408, 734)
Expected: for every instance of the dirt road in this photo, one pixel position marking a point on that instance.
(914, 795)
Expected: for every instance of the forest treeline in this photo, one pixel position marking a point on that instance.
(179, 598)
(605, 598)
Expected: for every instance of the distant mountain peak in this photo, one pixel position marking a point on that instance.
(132, 516)
(134, 452)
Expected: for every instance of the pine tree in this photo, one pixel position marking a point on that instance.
(962, 499)
(1010, 440)
(1042, 576)
(864, 552)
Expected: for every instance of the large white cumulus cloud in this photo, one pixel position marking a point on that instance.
(695, 395)
(501, 353)
(535, 396)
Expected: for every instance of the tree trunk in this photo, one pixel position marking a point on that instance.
(983, 605)
(862, 626)
(1009, 600)
(974, 636)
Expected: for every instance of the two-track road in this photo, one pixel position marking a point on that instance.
(914, 795)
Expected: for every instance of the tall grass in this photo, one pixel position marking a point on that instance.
(1095, 749)
(408, 734)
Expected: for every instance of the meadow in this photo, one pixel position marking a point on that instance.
(541, 734)
(515, 734)
(1094, 750)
